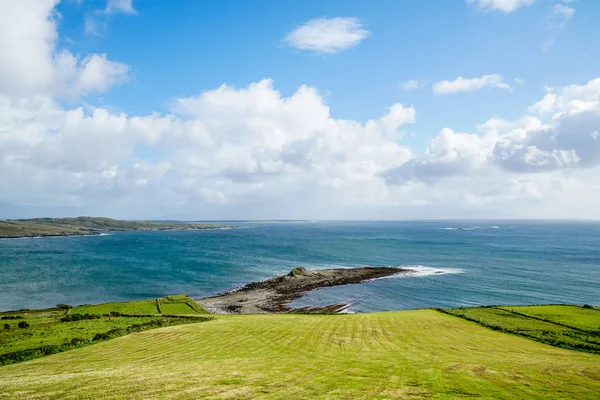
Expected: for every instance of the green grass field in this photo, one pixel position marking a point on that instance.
(541, 323)
(393, 355)
(47, 329)
(578, 317)
(143, 307)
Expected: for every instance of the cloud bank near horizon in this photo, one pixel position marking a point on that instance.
(250, 152)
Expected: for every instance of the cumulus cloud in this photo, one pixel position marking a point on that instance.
(30, 63)
(327, 35)
(449, 154)
(567, 140)
(569, 98)
(461, 84)
(505, 6)
(221, 146)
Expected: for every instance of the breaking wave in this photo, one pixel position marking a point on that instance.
(469, 228)
(417, 271)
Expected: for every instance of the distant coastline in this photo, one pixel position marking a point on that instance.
(88, 226)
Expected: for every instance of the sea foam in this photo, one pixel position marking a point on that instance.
(417, 271)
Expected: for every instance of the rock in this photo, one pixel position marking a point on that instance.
(298, 271)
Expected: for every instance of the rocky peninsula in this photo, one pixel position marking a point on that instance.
(274, 295)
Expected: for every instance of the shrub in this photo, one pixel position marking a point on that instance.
(78, 317)
(12, 317)
(6, 326)
(23, 325)
(64, 306)
(587, 306)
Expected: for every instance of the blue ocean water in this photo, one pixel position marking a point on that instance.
(457, 263)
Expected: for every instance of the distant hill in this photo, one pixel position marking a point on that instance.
(14, 228)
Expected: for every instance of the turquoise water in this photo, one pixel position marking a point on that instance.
(454, 263)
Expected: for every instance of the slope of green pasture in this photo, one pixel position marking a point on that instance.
(394, 355)
(170, 305)
(543, 331)
(180, 304)
(50, 331)
(578, 317)
(142, 307)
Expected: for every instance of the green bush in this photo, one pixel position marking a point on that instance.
(12, 317)
(23, 325)
(6, 326)
(78, 317)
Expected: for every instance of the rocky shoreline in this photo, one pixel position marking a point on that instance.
(274, 295)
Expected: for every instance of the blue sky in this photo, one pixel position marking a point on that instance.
(190, 46)
(499, 58)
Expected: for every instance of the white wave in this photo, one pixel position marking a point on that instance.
(421, 270)
(469, 228)
(105, 234)
(417, 271)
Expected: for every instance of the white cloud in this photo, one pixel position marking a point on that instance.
(561, 15)
(119, 6)
(557, 18)
(30, 63)
(569, 98)
(567, 141)
(327, 35)
(233, 149)
(505, 6)
(250, 152)
(223, 146)
(413, 84)
(461, 84)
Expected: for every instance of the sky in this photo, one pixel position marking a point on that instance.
(300, 109)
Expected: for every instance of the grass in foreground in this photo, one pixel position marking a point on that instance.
(55, 330)
(546, 324)
(406, 354)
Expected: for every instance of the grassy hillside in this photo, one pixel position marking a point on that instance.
(55, 330)
(546, 324)
(83, 226)
(577, 317)
(406, 354)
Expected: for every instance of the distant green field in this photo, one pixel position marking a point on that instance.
(84, 226)
(180, 305)
(54, 330)
(528, 322)
(143, 307)
(578, 317)
(393, 355)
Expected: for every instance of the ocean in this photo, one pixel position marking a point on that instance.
(454, 263)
